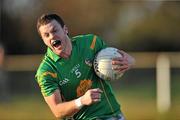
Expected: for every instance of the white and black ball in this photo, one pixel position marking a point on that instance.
(103, 64)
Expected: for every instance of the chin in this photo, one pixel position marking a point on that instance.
(57, 52)
(63, 55)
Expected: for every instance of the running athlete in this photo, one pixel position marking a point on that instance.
(66, 78)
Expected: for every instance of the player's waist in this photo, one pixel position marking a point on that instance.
(116, 117)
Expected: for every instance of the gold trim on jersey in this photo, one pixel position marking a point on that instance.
(54, 75)
(83, 87)
(93, 42)
(106, 96)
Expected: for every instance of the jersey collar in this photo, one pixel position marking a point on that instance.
(52, 55)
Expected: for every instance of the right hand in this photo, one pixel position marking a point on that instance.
(91, 96)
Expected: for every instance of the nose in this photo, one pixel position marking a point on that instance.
(52, 36)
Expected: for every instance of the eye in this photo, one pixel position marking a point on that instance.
(54, 30)
(46, 34)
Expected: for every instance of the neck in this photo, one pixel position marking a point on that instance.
(67, 50)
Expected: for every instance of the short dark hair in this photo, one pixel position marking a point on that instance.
(47, 18)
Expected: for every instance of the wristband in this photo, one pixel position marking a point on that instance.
(78, 103)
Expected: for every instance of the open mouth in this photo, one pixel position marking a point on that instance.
(56, 43)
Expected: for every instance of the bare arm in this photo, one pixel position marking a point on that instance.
(58, 108)
(63, 109)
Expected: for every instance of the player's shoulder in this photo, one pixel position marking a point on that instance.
(83, 37)
(45, 65)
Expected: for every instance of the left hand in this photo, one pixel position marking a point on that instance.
(124, 63)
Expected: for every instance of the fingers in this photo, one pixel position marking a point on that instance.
(117, 67)
(119, 62)
(129, 58)
(96, 100)
(96, 95)
(118, 59)
(122, 53)
(96, 90)
(91, 96)
(121, 68)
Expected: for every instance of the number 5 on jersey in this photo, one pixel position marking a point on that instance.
(77, 73)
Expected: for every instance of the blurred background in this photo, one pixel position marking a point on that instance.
(146, 29)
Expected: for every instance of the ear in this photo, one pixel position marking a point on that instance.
(65, 29)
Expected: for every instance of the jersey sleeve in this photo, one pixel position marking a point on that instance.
(97, 43)
(100, 44)
(46, 80)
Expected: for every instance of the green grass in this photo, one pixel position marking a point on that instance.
(136, 107)
(138, 102)
(25, 108)
(133, 106)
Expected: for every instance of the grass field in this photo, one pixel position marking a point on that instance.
(137, 96)
(135, 107)
(31, 108)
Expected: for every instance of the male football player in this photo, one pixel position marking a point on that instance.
(66, 77)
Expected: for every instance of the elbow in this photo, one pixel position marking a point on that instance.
(61, 115)
(58, 115)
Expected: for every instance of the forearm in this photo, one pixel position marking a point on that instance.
(59, 108)
(64, 109)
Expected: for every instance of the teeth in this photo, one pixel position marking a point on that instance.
(56, 43)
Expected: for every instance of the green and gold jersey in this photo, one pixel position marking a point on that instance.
(75, 75)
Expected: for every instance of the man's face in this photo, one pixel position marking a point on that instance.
(54, 36)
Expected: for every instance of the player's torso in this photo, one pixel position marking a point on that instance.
(75, 75)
